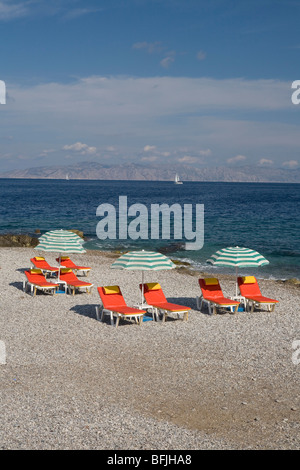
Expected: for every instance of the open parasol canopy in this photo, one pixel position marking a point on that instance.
(60, 241)
(143, 261)
(237, 257)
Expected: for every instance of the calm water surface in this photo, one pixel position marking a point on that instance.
(264, 217)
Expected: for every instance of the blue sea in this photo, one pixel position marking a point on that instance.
(261, 216)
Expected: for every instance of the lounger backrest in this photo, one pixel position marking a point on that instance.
(210, 287)
(153, 293)
(35, 275)
(38, 260)
(41, 262)
(248, 286)
(66, 274)
(111, 296)
(66, 262)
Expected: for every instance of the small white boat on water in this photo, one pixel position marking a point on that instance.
(177, 179)
(67, 177)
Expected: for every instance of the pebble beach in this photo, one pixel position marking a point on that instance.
(215, 382)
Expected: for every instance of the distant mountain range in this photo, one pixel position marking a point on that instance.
(133, 171)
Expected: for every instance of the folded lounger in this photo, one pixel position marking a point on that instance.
(36, 280)
(66, 262)
(72, 283)
(212, 294)
(114, 305)
(39, 262)
(249, 289)
(155, 297)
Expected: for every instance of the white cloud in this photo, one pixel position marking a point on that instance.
(205, 153)
(187, 159)
(201, 55)
(291, 164)
(236, 159)
(44, 153)
(10, 10)
(167, 61)
(265, 162)
(84, 149)
(150, 47)
(149, 148)
(78, 12)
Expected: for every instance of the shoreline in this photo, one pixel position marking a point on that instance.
(214, 382)
(30, 240)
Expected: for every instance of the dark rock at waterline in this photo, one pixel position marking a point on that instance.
(78, 232)
(172, 248)
(21, 240)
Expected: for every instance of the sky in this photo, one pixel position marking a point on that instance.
(154, 82)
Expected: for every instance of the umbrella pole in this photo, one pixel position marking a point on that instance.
(59, 266)
(142, 303)
(236, 281)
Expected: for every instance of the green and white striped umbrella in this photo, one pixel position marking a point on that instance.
(143, 261)
(60, 241)
(64, 238)
(238, 257)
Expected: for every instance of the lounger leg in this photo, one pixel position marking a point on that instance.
(117, 321)
(199, 302)
(209, 308)
(97, 312)
(185, 316)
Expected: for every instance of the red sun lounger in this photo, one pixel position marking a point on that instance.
(37, 281)
(72, 283)
(212, 294)
(114, 305)
(155, 297)
(66, 262)
(249, 289)
(39, 262)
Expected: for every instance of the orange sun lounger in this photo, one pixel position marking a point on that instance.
(114, 305)
(212, 294)
(155, 298)
(66, 262)
(249, 289)
(71, 281)
(39, 262)
(37, 281)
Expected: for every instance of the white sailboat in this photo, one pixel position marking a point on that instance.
(67, 176)
(177, 179)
